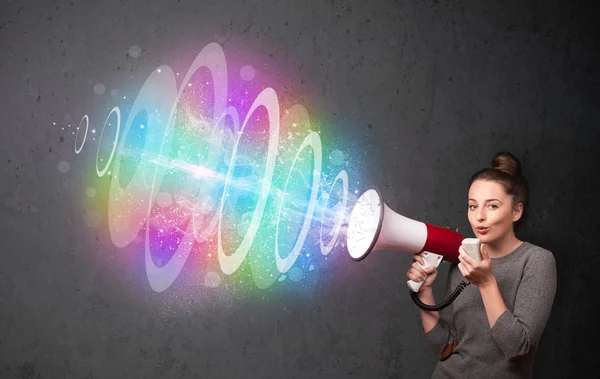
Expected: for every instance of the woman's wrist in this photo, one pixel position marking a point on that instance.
(425, 293)
(489, 284)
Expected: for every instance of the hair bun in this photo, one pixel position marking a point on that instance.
(505, 161)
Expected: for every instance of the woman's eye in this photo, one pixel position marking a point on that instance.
(494, 206)
(471, 207)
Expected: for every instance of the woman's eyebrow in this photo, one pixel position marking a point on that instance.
(487, 201)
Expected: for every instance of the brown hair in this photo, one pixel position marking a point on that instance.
(506, 170)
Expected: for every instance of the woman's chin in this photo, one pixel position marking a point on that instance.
(484, 238)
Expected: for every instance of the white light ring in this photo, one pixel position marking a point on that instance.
(114, 147)
(87, 124)
(207, 232)
(213, 58)
(314, 141)
(230, 263)
(326, 249)
(126, 213)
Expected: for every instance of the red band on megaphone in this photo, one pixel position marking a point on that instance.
(442, 241)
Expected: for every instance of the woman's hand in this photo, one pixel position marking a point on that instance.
(418, 274)
(478, 273)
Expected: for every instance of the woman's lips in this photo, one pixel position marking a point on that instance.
(482, 230)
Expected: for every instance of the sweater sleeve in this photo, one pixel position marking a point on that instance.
(517, 331)
(442, 333)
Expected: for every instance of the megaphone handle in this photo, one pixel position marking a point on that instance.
(430, 259)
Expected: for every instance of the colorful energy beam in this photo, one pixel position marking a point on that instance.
(197, 178)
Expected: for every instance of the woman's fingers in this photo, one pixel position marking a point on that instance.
(465, 271)
(462, 269)
(416, 275)
(418, 268)
(411, 276)
(463, 258)
(417, 272)
(419, 263)
(418, 258)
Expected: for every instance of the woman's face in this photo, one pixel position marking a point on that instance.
(491, 209)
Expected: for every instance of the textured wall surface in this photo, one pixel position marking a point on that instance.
(431, 91)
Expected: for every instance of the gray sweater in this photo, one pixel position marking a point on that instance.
(527, 281)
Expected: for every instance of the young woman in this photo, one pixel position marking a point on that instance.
(493, 327)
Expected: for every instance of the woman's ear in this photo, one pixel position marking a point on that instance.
(517, 212)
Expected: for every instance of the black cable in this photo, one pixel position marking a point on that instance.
(444, 303)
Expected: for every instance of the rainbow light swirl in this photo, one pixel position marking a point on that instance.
(194, 180)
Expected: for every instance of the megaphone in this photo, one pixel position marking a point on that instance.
(374, 226)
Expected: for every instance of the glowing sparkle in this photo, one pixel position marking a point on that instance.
(63, 167)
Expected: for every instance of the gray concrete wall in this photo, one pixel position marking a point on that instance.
(430, 90)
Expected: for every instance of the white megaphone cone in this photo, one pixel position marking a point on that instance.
(374, 226)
